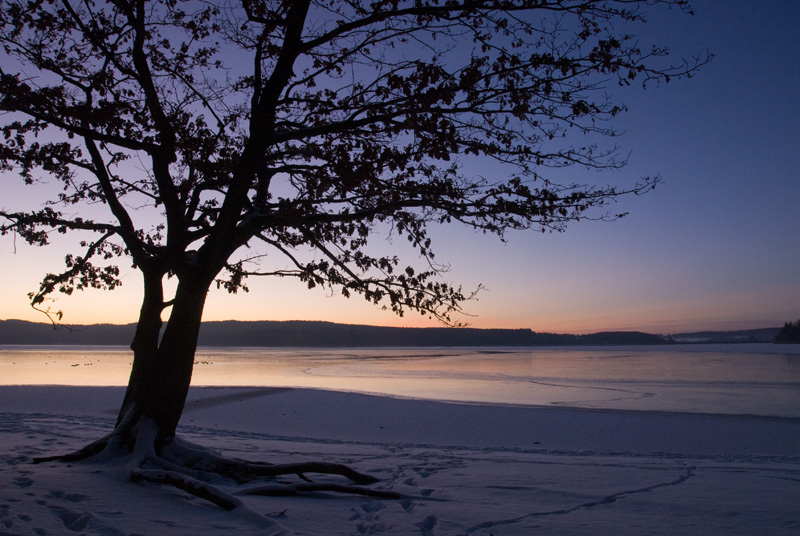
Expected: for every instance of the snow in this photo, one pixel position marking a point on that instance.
(464, 469)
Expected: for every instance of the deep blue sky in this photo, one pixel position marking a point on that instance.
(716, 246)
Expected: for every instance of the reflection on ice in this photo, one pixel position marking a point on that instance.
(758, 379)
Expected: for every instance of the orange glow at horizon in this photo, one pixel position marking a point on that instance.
(288, 300)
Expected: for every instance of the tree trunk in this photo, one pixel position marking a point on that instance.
(153, 404)
(145, 341)
(162, 370)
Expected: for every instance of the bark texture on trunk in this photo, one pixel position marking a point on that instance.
(162, 368)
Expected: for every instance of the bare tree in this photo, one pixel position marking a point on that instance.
(301, 126)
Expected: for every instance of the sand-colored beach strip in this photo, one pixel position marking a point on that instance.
(464, 469)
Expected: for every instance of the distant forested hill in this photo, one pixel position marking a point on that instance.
(746, 335)
(314, 334)
(22, 332)
(297, 333)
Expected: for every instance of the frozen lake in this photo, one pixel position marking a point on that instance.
(742, 379)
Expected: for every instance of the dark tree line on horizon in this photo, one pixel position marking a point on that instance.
(214, 141)
(266, 334)
(790, 332)
(270, 334)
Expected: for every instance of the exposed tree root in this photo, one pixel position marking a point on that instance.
(188, 484)
(290, 490)
(192, 468)
(242, 471)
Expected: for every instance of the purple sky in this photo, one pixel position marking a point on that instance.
(717, 246)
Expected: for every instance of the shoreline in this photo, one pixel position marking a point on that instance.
(4, 400)
(345, 416)
(239, 390)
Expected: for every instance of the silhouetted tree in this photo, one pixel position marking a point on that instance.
(204, 127)
(790, 332)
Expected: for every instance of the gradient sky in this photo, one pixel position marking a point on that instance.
(716, 246)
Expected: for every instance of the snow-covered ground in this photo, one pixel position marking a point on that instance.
(464, 469)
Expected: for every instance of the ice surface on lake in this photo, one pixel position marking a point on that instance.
(749, 379)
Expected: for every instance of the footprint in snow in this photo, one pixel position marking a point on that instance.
(71, 497)
(23, 482)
